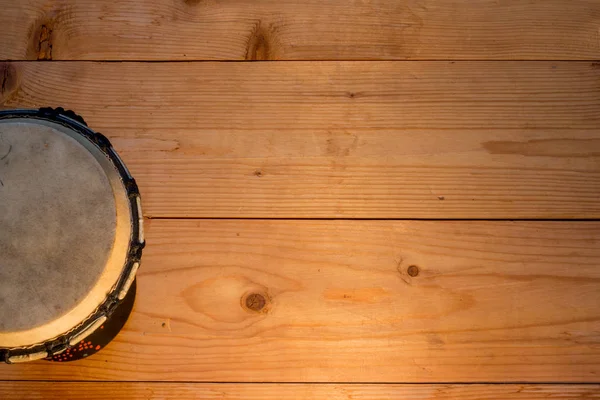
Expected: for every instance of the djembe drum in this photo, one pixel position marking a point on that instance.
(71, 237)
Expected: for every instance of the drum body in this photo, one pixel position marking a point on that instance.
(71, 237)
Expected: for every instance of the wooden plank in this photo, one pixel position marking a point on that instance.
(484, 302)
(299, 30)
(340, 139)
(208, 391)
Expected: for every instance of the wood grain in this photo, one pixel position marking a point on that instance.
(207, 391)
(340, 139)
(489, 302)
(299, 30)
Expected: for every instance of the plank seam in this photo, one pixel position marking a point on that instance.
(555, 383)
(306, 61)
(379, 219)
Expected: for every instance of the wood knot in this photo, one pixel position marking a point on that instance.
(44, 42)
(47, 30)
(413, 271)
(8, 80)
(42, 37)
(258, 173)
(255, 302)
(259, 43)
(354, 95)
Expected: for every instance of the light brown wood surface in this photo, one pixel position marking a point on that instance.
(491, 302)
(299, 30)
(286, 257)
(207, 391)
(340, 139)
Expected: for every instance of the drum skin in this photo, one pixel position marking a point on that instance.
(55, 198)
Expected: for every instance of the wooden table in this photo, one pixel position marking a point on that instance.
(403, 202)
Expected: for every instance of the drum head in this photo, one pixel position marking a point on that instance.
(64, 229)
